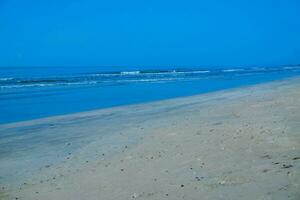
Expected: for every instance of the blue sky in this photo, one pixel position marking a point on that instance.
(147, 33)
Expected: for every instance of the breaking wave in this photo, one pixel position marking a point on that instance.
(135, 76)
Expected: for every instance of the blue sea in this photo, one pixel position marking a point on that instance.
(33, 92)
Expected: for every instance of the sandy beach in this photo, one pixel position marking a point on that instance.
(233, 144)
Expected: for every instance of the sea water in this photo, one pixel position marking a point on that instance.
(33, 92)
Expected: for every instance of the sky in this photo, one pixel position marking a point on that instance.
(149, 33)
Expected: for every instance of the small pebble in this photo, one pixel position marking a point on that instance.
(286, 166)
(198, 178)
(134, 195)
(266, 156)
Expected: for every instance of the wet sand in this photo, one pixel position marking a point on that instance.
(234, 144)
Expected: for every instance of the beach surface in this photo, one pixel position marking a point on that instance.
(234, 144)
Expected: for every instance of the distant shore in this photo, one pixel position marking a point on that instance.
(241, 143)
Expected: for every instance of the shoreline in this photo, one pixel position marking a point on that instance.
(29, 101)
(214, 145)
(129, 106)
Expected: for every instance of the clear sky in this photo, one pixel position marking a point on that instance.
(147, 33)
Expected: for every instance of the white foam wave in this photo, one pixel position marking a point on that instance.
(259, 68)
(232, 70)
(200, 72)
(141, 73)
(103, 74)
(6, 79)
(291, 67)
(24, 86)
(156, 80)
(47, 84)
(130, 73)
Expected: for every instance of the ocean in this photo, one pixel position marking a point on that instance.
(33, 92)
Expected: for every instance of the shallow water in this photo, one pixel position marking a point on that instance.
(33, 92)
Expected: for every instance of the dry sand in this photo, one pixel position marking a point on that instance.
(234, 144)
